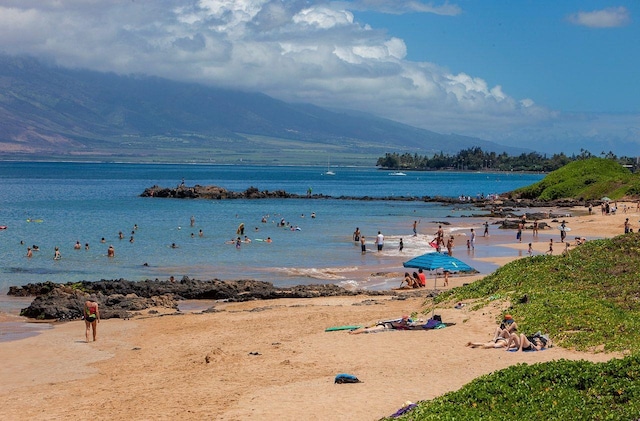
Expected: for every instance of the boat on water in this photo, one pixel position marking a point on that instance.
(329, 172)
(397, 174)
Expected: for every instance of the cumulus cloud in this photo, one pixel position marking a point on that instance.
(611, 17)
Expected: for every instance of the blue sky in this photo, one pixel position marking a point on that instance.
(532, 49)
(548, 75)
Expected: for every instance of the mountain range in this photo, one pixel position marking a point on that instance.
(49, 112)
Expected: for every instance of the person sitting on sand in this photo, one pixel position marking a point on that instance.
(416, 279)
(521, 342)
(506, 328)
(410, 281)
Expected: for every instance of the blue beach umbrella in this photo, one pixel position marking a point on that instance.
(435, 260)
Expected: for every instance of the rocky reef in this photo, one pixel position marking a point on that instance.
(123, 299)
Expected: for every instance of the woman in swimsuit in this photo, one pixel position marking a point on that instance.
(522, 342)
(91, 317)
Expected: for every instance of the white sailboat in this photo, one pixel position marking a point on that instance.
(329, 172)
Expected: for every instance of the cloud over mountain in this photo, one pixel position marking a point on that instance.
(307, 51)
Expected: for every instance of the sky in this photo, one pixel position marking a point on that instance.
(552, 76)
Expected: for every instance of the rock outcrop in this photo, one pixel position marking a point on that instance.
(122, 298)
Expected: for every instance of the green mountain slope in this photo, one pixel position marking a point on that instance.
(53, 112)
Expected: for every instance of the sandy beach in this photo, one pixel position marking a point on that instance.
(272, 360)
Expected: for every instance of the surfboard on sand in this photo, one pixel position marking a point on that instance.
(345, 327)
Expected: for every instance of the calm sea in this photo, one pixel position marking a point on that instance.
(57, 204)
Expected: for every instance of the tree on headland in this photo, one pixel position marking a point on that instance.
(475, 159)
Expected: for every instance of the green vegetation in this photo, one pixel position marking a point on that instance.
(585, 299)
(557, 390)
(474, 159)
(588, 300)
(589, 179)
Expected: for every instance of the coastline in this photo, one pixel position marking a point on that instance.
(155, 365)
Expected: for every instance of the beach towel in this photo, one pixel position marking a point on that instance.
(403, 410)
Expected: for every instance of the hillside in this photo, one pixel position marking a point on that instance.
(589, 179)
(50, 112)
(585, 300)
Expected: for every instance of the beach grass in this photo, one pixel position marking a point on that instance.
(590, 179)
(563, 389)
(586, 299)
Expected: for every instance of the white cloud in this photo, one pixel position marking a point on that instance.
(611, 17)
(323, 17)
(308, 51)
(398, 7)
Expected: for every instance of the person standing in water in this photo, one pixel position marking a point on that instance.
(356, 235)
(91, 317)
(380, 241)
(363, 246)
(401, 245)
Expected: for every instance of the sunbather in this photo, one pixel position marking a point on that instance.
(506, 328)
(521, 342)
(403, 323)
(496, 343)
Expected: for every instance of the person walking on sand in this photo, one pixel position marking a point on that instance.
(627, 225)
(450, 246)
(91, 317)
(486, 229)
(440, 236)
(519, 233)
(535, 228)
(550, 251)
(530, 250)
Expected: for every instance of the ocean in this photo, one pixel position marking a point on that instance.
(58, 204)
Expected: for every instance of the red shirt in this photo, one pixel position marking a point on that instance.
(423, 279)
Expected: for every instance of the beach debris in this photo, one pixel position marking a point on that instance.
(346, 378)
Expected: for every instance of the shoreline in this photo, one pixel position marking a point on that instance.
(272, 360)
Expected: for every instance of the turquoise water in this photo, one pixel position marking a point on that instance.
(88, 201)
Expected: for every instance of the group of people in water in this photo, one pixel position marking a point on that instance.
(507, 336)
